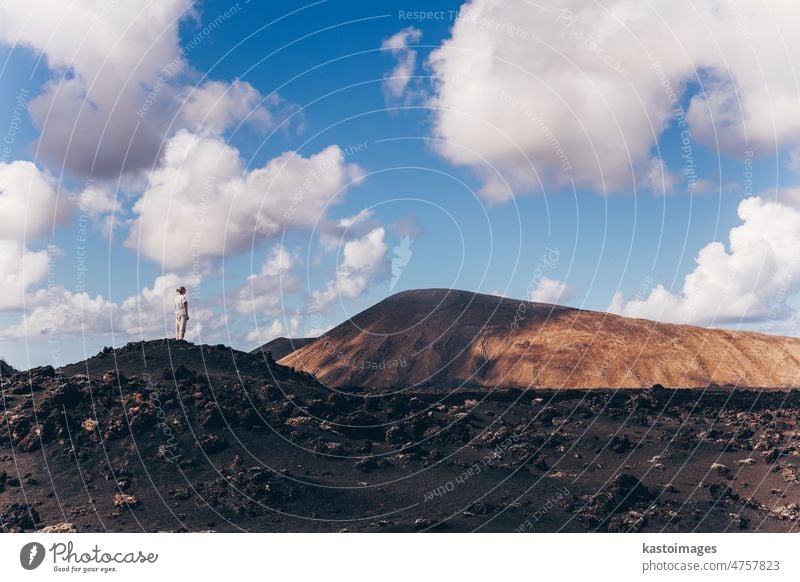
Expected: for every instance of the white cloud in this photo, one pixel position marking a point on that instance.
(362, 260)
(105, 58)
(216, 106)
(276, 329)
(201, 202)
(552, 291)
(96, 200)
(116, 84)
(264, 291)
(318, 331)
(30, 203)
(59, 312)
(749, 281)
(162, 291)
(30, 207)
(333, 232)
(105, 209)
(19, 270)
(395, 83)
(589, 90)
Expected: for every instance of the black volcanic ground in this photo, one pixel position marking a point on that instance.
(169, 436)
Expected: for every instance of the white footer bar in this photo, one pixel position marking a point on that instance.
(372, 557)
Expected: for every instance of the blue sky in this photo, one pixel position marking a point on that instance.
(297, 77)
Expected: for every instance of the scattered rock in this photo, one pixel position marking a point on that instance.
(63, 527)
(789, 474)
(789, 512)
(114, 377)
(623, 493)
(630, 522)
(125, 500)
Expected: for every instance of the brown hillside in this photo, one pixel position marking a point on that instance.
(448, 337)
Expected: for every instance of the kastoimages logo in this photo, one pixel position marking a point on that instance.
(31, 555)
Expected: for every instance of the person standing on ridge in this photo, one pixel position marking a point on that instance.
(181, 312)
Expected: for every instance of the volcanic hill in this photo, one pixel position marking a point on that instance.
(280, 347)
(447, 338)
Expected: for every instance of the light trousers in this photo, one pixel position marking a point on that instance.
(180, 325)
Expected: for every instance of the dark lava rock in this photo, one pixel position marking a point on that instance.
(44, 372)
(24, 388)
(66, 395)
(773, 455)
(546, 414)
(114, 377)
(629, 522)
(339, 403)
(396, 434)
(362, 425)
(180, 373)
(5, 369)
(641, 401)
(629, 490)
(397, 407)
(251, 492)
(142, 419)
(481, 508)
(211, 444)
(620, 444)
(722, 492)
(211, 417)
(367, 464)
(18, 517)
(623, 493)
(31, 441)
